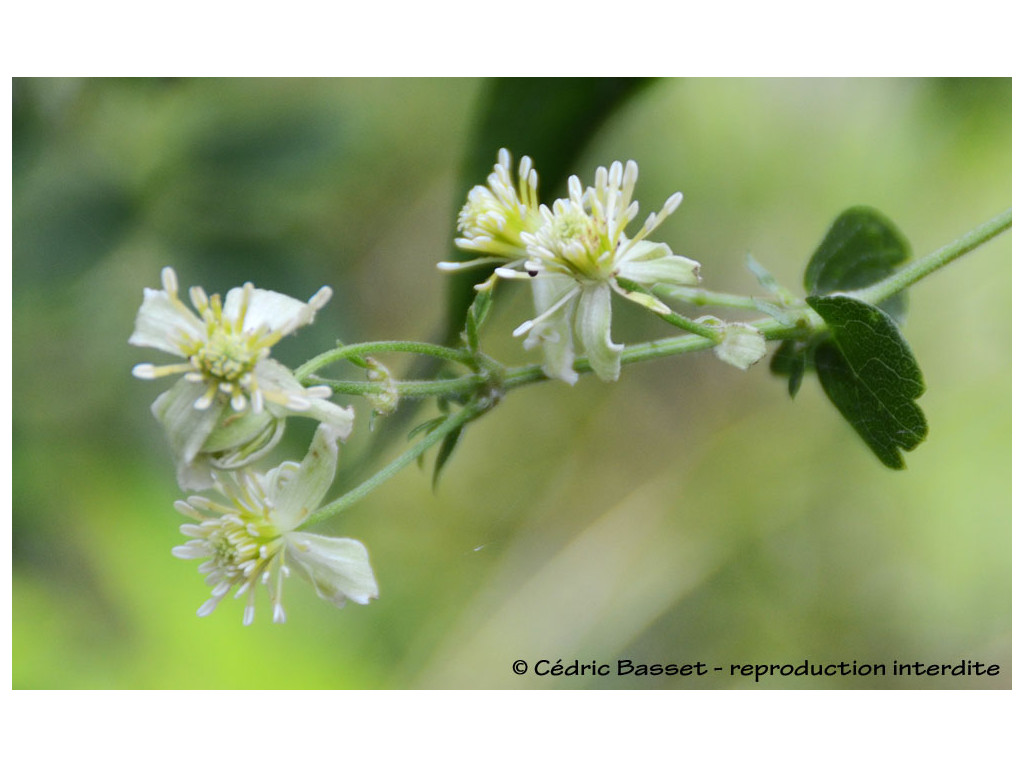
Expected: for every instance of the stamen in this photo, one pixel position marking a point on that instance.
(547, 313)
(320, 298)
(199, 298)
(455, 266)
(511, 274)
(205, 401)
(150, 371)
(169, 280)
(247, 291)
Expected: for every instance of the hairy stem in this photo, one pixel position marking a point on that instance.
(803, 322)
(463, 385)
(924, 266)
(356, 351)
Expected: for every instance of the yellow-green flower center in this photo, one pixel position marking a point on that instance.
(580, 243)
(243, 547)
(227, 355)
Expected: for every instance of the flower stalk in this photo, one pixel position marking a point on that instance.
(453, 422)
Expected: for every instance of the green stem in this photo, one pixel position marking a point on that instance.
(701, 338)
(450, 424)
(633, 353)
(924, 266)
(463, 385)
(512, 378)
(679, 321)
(672, 318)
(350, 351)
(699, 297)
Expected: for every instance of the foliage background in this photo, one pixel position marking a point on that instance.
(688, 512)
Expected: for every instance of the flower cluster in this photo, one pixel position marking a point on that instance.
(227, 411)
(574, 254)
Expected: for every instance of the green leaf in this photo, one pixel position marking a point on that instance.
(476, 316)
(426, 427)
(790, 360)
(861, 248)
(444, 452)
(869, 373)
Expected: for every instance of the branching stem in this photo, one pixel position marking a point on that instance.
(475, 386)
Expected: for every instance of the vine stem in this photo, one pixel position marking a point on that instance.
(462, 385)
(924, 266)
(453, 422)
(804, 321)
(356, 351)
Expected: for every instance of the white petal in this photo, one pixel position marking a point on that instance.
(294, 499)
(555, 331)
(643, 250)
(339, 418)
(339, 569)
(674, 270)
(163, 321)
(187, 429)
(594, 324)
(270, 310)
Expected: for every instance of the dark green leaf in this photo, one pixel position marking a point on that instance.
(427, 426)
(790, 360)
(870, 375)
(861, 248)
(445, 451)
(476, 316)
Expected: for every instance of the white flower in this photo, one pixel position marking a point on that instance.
(226, 345)
(742, 345)
(495, 217)
(253, 539)
(227, 368)
(576, 256)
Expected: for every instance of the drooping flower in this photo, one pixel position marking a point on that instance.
(252, 539)
(227, 408)
(742, 345)
(575, 257)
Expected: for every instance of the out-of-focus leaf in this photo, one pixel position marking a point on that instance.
(476, 316)
(870, 375)
(445, 452)
(790, 360)
(549, 119)
(861, 248)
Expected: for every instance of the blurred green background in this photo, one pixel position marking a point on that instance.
(689, 512)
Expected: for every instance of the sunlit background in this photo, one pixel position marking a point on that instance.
(689, 512)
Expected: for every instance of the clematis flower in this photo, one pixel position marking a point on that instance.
(576, 254)
(495, 217)
(742, 345)
(252, 538)
(227, 408)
